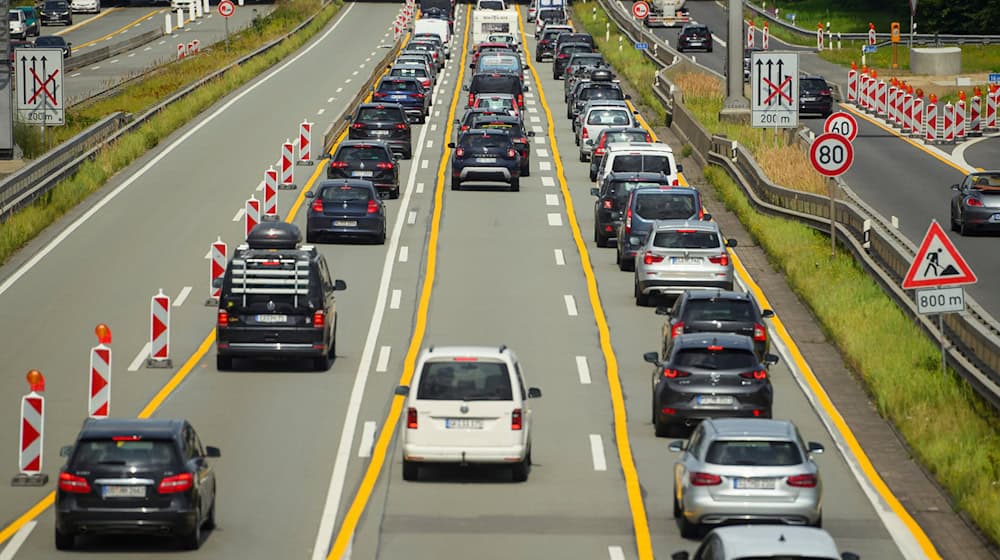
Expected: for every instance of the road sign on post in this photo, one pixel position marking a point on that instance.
(640, 10)
(831, 154)
(774, 85)
(842, 123)
(39, 86)
(226, 10)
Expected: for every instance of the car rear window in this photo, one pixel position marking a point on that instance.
(491, 5)
(495, 84)
(622, 188)
(686, 239)
(718, 310)
(608, 117)
(384, 114)
(499, 64)
(812, 85)
(641, 162)
(495, 125)
(465, 380)
(143, 453)
(601, 92)
(473, 141)
(569, 49)
(754, 453)
(981, 182)
(697, 31)
(495, 104)
(728, 358)
(668, 205)
(345, 193)
(625, 137)
(361, 153)
(550, 15)
(398, 85)
(409, 72)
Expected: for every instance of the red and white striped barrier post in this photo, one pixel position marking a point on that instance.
(819, 37)
(251, 215)
(992, 101)
(305, 143)
(890, 104)
(181, 51)
(159, 332)
(960, 117)
(196, 44)
(872, 83)
(863, 90)
(765, 37)
(216, 270)
(287, 165)
(32, 434)
(917, 120)
(908, 110)
(750, 33)
(190, 48)
(99, 402)
(881, 99)
(852, 84)
(931, 120)
(270, 195)
(975, 113)
(948, 116)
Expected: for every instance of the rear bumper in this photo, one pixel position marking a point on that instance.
(366, 226)
(438, 454)
(474, 173)
(125, 521)
(254, 342)
(981, 217)
(680, 286)
(820, 106)
(700, 507)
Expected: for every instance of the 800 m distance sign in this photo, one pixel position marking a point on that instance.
(774, 89)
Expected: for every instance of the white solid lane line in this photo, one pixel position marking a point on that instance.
(555, 219)
(382, 364)
(140, 357)
(570, 302)
(181, 297)
(616, 553)
(17, 540)
(397, 295)
(367, 440)
(560, 259)
(404, 253)
(583, 370)
(551, 200)
(597, 450)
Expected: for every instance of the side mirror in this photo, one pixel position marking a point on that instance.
(217, 282)
(651, 357)
(707, 217)
(850, 556)
(310, 194)
(339, 285)
(815, 448)
(594, 191)
(770, 359)
(212, 452)
(69, 44)
(954, 187)
(680, 555)
(590, 141)
(465, 88)
(767, 314)
(534, 393)
(731, 243)
(531, 134)
(663, 310)
(402, 390)
(457, 121)
(451, 144)
(66, 451)
(677, 445)
(397, 157)
(527, 87)
(473, 65)
(627, 96)
(680, 168)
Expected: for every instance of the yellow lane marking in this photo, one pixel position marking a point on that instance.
(113, 33)
(353, 516)
(640, 523)
(83, 23)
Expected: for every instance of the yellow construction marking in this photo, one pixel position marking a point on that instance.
(83, 23)
(113, 33)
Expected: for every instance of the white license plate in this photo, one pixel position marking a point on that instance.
(808, 99)
(754, 483)
(463, 423)
(345, 223)
(362, 173)
(487, 160)
(715, 399)
(124, 491)
(685, 260)
(380, 133)
(272, 318)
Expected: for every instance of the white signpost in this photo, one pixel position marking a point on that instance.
(39, 86)
(774, 86)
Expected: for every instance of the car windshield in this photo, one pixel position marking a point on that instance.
(44, 41)
(142, 453)
(357, 154)
(754, 453)
(641, 162)
(685, 238)
(986, 182)
(718, 310)
(490, 5)
(570, 49)
(345, 193)
(704, 358)
(54, 5)
(610, 117)
(376, 114)
(495, 103)
(465, 380)
(490, 141)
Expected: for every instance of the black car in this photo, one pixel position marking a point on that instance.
(815, 96)
(709, 376)
(56, 12)
(546, 45)
(562, 54)
(382, 121)
(609, 135)
(472, 113)
(496, 82)
(574, 37)
(514, 127)
(345, 208)
(747, 59)
(369, 160)
(595, 89)
(408, 92)
(277, 300)
(612, 198)
(694, 36)
(715, 311)
(54, 42)
(975, 202)
(579, 67)
(485, 155)
(132, 476)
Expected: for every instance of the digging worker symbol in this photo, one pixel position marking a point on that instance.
(934, 265)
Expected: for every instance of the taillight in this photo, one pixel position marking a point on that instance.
(584, 135)
(73, 484)
(459, 152)
(222, 320)
(177, 483)
(802, 481)
(677, 330)
(607, 204)
(385, 165)
(721, 260)
(472, 99)
(563, 55)
(516, 419)
(358, 125)
(704, 479)
(701, 213)
(400, 126)
(544, 42)
(674, 373)
(759, 332)
(759, 375)
(974, 202)
(378, 94)
(649, 138)
(675, 183)
(464, 127)
(628, 220)
(824, 92)
(520, 101)
(317, 205)
(650, 258)
(511, 154)
(521, 140)
(598, 151)
(338, 164)
(319, 318)
(411, 418)
(426, 83)
(419, 95)
(372, 207)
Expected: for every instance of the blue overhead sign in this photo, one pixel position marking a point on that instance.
(995, 78)
(642, 46)
(869, 49)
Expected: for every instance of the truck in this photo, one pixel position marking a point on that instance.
(667, 13)
(488, 20)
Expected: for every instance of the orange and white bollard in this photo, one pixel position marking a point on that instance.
(181, 51)
(216, 270)
(270, 195)
(99, 402)
(852, 84)
(159, 332)
(32, 434)
(252, 215)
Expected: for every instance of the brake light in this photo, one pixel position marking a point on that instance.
(358, 125)
(721, 260)
(418, 95)
(824, 92)
(520, 101)
(759, 332)
(516, 420)
(73, 484)
(372, 207)
(802, 481)
(338, 164)
(759, 375)
(544, 42)
(607, 204)
(649, 138)
(675, 183)
(400, 126)
(704, 479)
(674, 373)
(563, 55)
(650, 258)
(411, 418)
(677, 330)
(511, 154)
(464, 127)
(715, 348)
(126, 438)
(317, 205)
(177, 483)
(973, 202)
(222, 321)
(584, 135)
(521, 140)
(319, 318)
(598, 151)
(701, 213)
(472, 99)
(378, 94)
(385, 165)
(425, 83)
(628, 219)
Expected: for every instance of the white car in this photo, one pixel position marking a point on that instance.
(655, 157)
(85, 6)
(467, 404)
(181, 4)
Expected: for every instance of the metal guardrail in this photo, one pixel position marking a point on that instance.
(101, 53)
(973, 336)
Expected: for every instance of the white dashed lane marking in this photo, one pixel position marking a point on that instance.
(551, 200)
(560, 259)
(367, 439)
(411, 218)
(382, 363)
(597, 450)
(583, 370)
(570, 302)
(397, 295)
(182, 297)
(404, 253)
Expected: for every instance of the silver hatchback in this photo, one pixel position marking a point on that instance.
(737, 470)
(681, 255)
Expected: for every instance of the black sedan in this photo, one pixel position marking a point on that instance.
(485, 155)
(515, 128)
(54, 42)
(56, 11)
(366, 159)
(975, 203)
(345, 208)
(715, 311)
(709, 376)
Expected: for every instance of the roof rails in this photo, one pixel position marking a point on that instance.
(503, 347)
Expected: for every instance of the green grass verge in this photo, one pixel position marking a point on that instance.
(26, 224)
(976, 59)
(846, 16)
(951, 430)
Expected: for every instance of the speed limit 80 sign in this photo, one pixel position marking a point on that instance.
(831, 154)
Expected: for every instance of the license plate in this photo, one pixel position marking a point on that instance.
(345, 223)
(808, 99)
(685, 260)
(463, 424)
(272, 318)
(380, 133)
(487, 160)
(754, 483)
(362, 173)
(715, 399)
(124, 491)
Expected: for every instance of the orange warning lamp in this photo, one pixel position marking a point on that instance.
(36, 381)
(103, 333)
(854, 65)
(933, 98)
(874, 73)
(977, 91)
(920, 93)
(871, 25)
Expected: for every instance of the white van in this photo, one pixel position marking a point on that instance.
(655, 157)
(438, 27)
(467, 404)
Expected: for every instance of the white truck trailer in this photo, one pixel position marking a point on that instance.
(667, 13)
(487, 20)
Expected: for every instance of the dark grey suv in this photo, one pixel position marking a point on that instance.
(485, 155)
(382, 121)
(715, 311)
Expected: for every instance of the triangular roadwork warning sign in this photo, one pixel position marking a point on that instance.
(937, 263)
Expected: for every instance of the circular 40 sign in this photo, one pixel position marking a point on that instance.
(640, 9)
(843, 124)
(226, 8)
(831, 154)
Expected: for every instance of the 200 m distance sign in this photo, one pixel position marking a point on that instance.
(831, 154)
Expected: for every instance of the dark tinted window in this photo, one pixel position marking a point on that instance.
(409, 72)
(625, 137)
(696, 31)
(345, 193)
(551, 34)
(672, 206)
(495, 125)
(718, 310)
(469, 381)
(641, 162)
(687, 239)
(399, 85)
(142, 453)
(622, 188)
(473, 141)
(375, 114)
(569, 49)
(729, 358)
(762, 453)
(50, 42)
(495, 103)
(353, 154)
(496, 84)
(551, 15)
(813, 85)
(491, 5)
(55, 6)
(601, 92)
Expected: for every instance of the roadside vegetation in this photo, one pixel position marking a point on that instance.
(898, 363)
(136, 98)
(846, 16)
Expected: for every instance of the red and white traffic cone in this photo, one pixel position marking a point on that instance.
(270, 195)
(159, 332)
(918, 115)
(251, 215)
(975, 115)
(99, 402)
(948, 135)
(216, 270)
(287, 165)
(305, 143)
(32, 434)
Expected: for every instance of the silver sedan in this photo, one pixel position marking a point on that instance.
(681, 255)
(740, 469)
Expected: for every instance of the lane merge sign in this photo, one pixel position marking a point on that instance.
(640, 10)
(842, 123)
(774, 87)
(226, 8)
(831, 154)
(937, 263)
(39, 83)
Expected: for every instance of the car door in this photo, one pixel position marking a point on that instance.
(194, 457)
(688, 461)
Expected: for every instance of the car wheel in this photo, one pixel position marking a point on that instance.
(394, 193)
(210, 520)
(381, 237)
(962, 228)
(411, 470)
(65, 541)
(538, 58)
(456, 184)
(597, 236)
(408, 153)
(954, 222)
(618, 260)
(223, 363)
(519, 471)
(677, 508)
(583, 156)
(593, 175)
(709, 49)
(641, 299)
(192, 540)
(515, 184)
(688, 530)
(526, 170)
(311, 237)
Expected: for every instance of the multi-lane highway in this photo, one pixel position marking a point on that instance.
(508, 268)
